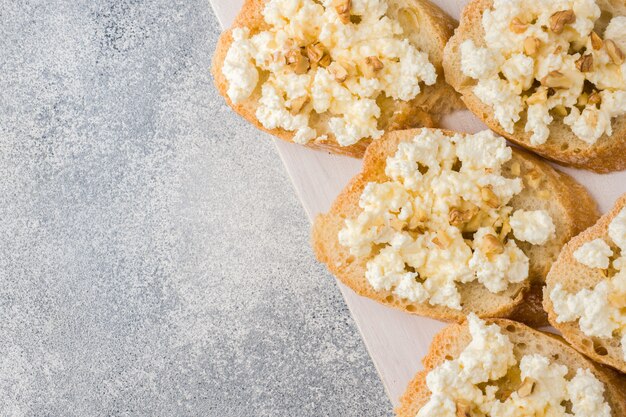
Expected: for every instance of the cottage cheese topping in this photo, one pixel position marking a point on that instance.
(315, 59)
(442, 219)
(601, 310)
(467, 385)
(535, 227)
(594, 254)
(542, 57)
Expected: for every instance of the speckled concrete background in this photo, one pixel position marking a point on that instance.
(154, 260)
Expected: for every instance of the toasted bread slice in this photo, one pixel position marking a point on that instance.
(562, 146)
(567, 202)
(427, 27)
(574, 276)
(452, 340)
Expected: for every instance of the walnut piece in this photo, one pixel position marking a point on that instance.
(298, 62)
(531, 45)
(442, 240)
(556, 79)
(297, 104)
(492, 245)
(517, 26)
(559, 19)
(540, 96)
(527, 387)
(585, 63)
(343, 10)
(616, 54)
(596, 41)
(315, 53)
(489, 197)
(338, 72)
(372, 66)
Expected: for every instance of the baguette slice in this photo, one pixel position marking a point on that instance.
(429, 29)
(574, 276)
(567, 202)
(453, 339)
(563, 146)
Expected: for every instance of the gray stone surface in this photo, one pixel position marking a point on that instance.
(154, 260)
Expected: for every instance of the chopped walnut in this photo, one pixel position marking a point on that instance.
(517, 26)
(343, 8)
(442, 240)
(596, 41)
(297, 104)
(616, 54)
(315, 52)
(298, 62)
(585, 63)
(531, 45)
(492, 246)
(556, 79)
(559, 19)
(489, 197)
(372, 66)
(527, 387)
(338, 72)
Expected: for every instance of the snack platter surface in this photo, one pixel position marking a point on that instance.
(395, 340)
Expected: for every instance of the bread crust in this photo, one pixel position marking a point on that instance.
(452, 340)
(569, 205)
(563, 146)
(575, 276)
(424, 110)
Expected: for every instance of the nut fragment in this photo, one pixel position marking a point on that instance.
(459, 217)
(315, 52)
(594, 98)
(531, 45)
(559, 19)
(492, 246)
(540, 96)
(298, 62)
(556, 79)
(617, 300)
(463, 409)
(338, 72)
(372, 66)
(442, 240)
(297, 104)
(527, 387)
(325, 61)
(517, 26)
(505, 230)
(616, 54)
(585, 63)
(596, 41)
(489, 197)
(343, 10)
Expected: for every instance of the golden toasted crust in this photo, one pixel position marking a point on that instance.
(452, 340)
(563, 146)
(435, 28)
(574, 276)
(567, 202)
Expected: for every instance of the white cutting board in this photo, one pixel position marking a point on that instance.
(396, 341)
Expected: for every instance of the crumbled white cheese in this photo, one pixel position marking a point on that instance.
(617, 229)
(350, 104)
(239, 69)
(597, 313)
(534, 227)
(410, 220)
(594, 254)
(471, 380)
(520, 49)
